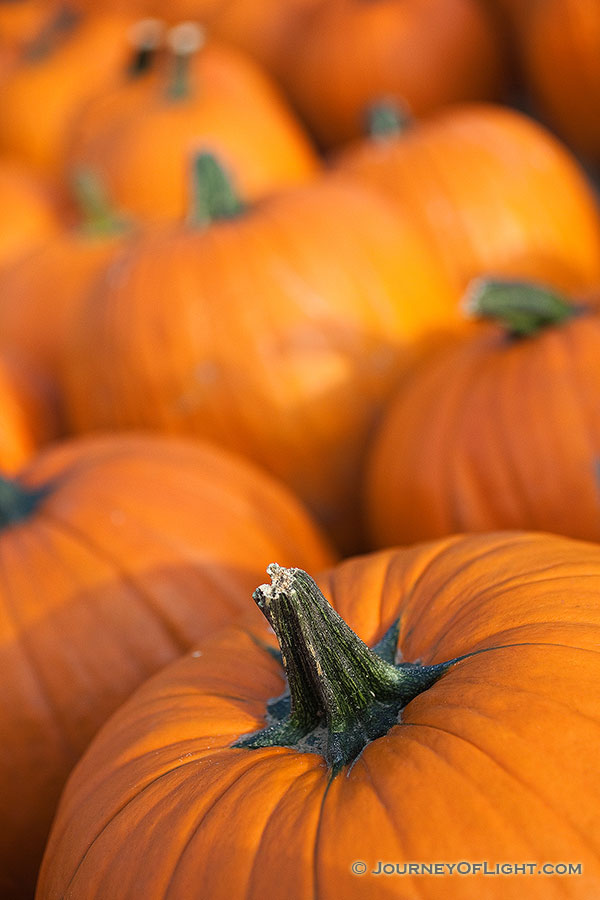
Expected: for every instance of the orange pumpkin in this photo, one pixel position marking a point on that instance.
(425, 53)
(141, 138)
(117, 554)
(495, 192)
(485, 750)
(501, 430)
(39, 98)
(27, 416)
(559, 47)
(22, 23)
(277, 331)
(51, 281)
(27, 215)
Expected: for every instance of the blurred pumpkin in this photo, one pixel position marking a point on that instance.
(277, 331)
(486, 749)
(142, 137)
(559, 47)
(28, 419)
(27, 214)
(425, 53)
(495, 192)
(50, 282)
(500, 430)
(39, 97)
(118, 553)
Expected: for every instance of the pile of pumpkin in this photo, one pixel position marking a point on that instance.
(289, 285)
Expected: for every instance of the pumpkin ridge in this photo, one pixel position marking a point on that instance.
(121, 809)
(522, 783)
(10, 607)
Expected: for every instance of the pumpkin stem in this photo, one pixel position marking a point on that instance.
(342, 695)
(17, 502)
(522, 308)
(146, 36)
(213, 196)
(387, 118)
(184, 41)
(99, 219)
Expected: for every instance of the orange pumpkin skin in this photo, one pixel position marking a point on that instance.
(492, 432)
(481, 767)
(26, 212)
(423, 53)
(28, 419)
(141, 142)
(277, 333)
(29, 296)
(559, 43)
(39, 98)
(495, 192)
(140, 548)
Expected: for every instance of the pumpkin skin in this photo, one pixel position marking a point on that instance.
(141, 142)
(27, 215)
(495, 192)
(73, 258)
(88, 58)
(492, 432)
(27, 416)
(278, 333)
(481, 767)
(425, 53)
(558, 43)
(139, 548)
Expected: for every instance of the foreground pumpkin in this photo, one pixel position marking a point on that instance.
(277, 331)
(117, 554)
(494, 191)
(426, 53)
(470, 735)
(501, 430)
(141, 137)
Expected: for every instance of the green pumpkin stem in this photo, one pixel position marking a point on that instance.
(17, 502)
(99, 219)
(342, 695)
(524, 309)
(184, 40)
(387, 118)
(214, 198)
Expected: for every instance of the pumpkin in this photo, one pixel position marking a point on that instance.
(277, 331)
(469, 734)
(52, 279)
(558, 43)
(118, 554)
(26, 413)
(425, 53)
(27, 214)
(495, 192)
(141, 137)
(39, 97)
(499, 430)
(21, 25)
(266, 29)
